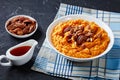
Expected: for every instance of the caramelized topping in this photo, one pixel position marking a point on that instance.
(67, 29)
(79, 34)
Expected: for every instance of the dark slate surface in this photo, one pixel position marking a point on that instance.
(44, 12)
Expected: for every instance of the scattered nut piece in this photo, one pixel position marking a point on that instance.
(67, 29)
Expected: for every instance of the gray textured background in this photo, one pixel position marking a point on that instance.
(44, 12)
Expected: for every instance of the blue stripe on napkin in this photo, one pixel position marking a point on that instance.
(113, 64)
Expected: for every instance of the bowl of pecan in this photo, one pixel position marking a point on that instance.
(21, 26)
(80, 37)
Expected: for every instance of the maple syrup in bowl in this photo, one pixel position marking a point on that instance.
(19, 54)
(19, 51)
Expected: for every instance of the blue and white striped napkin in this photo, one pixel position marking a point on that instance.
(107, 67)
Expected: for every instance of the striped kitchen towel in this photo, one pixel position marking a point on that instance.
(107, 67)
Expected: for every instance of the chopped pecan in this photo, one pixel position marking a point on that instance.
(79, 33)
(89, 34)
(75, 37)
(81, 28)
(69, 36)
(81, 39)
(72, 31)
(66, 29)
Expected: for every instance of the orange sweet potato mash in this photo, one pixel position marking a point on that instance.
(80, 38)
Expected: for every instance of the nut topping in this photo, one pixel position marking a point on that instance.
(21, 25)
(80, 39)
(67, 29)
(79, 35)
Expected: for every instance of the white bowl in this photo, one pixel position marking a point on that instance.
(21, 36)
(84, 17)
